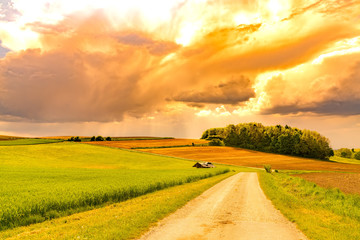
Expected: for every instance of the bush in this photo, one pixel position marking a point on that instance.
(99, 138)
(345, 152)
(357, 155)
(71, 139)
(93, 138)
(267, 168)
(108, 139)
(77, 139)
(216, 142)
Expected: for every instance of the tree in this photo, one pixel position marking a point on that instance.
(345, 152)
(357, 155)
(93, 138)
(77, 139)
(99, 138)
(108, 139)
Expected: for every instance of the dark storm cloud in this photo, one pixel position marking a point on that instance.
(330, 89)
(232, 92)
(323, 108)
(154, 47)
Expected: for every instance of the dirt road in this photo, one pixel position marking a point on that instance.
(236, 208)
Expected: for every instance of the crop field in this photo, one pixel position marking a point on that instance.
(121, 221)
(27, 141)
(40, 182)
(131, 144)
(344, 160)
(346, 182)
(243, 157)
(5, 137)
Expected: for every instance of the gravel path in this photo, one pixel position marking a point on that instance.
(236, 208)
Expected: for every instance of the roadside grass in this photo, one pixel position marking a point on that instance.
(125, 220)
(322, 214)
(27, 141)
(41, 182)
(344, 160)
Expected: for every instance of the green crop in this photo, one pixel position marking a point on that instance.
(28, 141)
(41, 182)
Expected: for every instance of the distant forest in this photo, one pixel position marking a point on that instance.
(274, 139)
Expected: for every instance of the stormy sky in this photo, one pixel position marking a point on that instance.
(177, 67)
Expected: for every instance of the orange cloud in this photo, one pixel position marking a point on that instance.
(331, 88)
(96, 65)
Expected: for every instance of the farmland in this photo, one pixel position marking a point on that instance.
(40, 182)
(154, 143)
(89, 189)
(243, 157)
(5, 137)
(346, 182)
(124, 220)
(27, 141)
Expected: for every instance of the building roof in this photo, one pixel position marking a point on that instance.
(204, 165)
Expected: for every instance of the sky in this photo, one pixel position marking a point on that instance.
(177, 67)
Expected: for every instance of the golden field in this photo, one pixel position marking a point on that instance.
(244, 157)
(149, 143)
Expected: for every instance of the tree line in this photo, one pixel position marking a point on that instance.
(274, 139)
(86, 139)
(347, 153)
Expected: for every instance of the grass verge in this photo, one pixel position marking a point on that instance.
(126, 220)
(322, 214)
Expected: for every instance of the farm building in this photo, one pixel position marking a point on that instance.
(204, 165)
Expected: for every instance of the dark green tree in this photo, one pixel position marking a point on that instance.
(99, 138)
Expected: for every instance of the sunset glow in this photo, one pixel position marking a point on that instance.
(175, 68)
